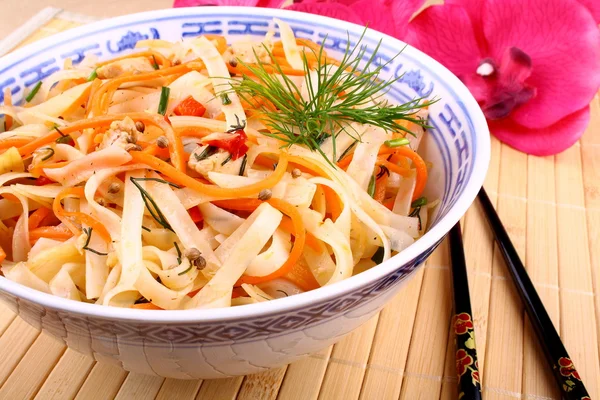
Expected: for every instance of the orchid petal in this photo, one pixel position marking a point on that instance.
(594, 7)
(446, 34)
(475, 10)
(544, 141)
(243, 3)
(332, 10)
(402, 12)
(376, 15)
(563, 42)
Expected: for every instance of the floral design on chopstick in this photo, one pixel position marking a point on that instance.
(463, 361)
(567, 368)
(462, 323)
(475, 374)
(466, 356)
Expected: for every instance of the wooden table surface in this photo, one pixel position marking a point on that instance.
(14, 13)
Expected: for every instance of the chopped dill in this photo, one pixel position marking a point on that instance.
(337, 97)
(88, 232)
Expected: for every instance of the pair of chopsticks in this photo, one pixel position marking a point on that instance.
(565, 374)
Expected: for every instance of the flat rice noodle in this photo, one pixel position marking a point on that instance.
(47, 263)
(62, 285)
(328, 233)
(273, 257)
(21, 274)
(96, 268)
(159, 294)
(110, 220)
(256, 231)
(85, 167)
(219, 219)
(129, 248)
(217, 70)
(20, 239)
(404, 196)
(365, 155)
(179, 219)
(54, 107)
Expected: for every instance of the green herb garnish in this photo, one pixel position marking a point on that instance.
(347, 151)
(151, 205)
(397, 142)
(243, 166)
(176, 186)
(186, 271)
(33, 92)
(337, 96)
(383, 170)
(178, 252)
(88, 232)
(420, 202)
(225, 99)
(93, 75)
(378, 256)
(50, 153)
(154, 63)
(371, 188)
(64, 139)
(207, 152)
(225, 161)
(164, 100)
(146, 229)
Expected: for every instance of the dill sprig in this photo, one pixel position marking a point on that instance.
(151, 205)
(337, 96)
(88, 232)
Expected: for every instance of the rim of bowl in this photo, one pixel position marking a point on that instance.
(303, 299)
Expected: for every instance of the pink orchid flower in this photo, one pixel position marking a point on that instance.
(387, 16)
(247, 3)
(533, 65)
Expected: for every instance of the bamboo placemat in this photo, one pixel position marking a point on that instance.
(551, 208)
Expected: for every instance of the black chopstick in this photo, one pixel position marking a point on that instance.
(467, 368)
(565, 374)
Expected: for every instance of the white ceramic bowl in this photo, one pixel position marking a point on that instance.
(225, 342)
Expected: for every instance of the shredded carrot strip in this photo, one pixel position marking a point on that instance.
(103, 96)
(51, 232)
(83, 218)
(333, 202)
(162, 60)
(419, 165)
(311, 241)
(13, 142)
(394, 168)
(8, 121)
(175, 145)
(389, 204)
(2, 254)
(221, 42)
(380, 186)
(38, 170)
(154, 150)
(37, 216)
(183, 179)
(146, 306)
(194, 132)
(95, 86)
(308, 166)
(299, 241)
